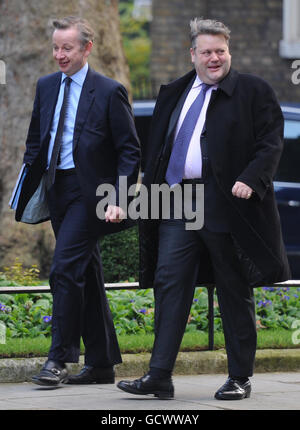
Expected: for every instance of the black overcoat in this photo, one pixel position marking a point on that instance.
(244, 131)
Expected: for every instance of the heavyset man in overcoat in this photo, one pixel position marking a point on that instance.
(234, 153)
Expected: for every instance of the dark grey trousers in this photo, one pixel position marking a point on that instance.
(180, 253)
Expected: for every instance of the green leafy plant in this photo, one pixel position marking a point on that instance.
(26, 315)
(29, 315)
(132, 311)
(277, 307)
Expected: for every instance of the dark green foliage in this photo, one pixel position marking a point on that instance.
(120, 256)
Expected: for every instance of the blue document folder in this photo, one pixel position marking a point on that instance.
(13, 203)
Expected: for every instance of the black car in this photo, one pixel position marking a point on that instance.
(286, 181)
(287, 186)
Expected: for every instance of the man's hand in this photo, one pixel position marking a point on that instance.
(114, 214)
(242, 190)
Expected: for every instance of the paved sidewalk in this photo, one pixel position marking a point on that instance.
(197, 375)
(270, 391)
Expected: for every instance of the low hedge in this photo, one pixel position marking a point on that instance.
(120, 256)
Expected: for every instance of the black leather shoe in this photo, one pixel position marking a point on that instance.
(162, 388)
(233, 389)
(51, 374)
(91, 375)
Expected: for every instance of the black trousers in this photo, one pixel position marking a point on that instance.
(80, 306)
(179, 258)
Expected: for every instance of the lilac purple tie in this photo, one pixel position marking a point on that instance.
(175, 168)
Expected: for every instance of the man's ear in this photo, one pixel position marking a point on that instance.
(88, 48)
(192, 52)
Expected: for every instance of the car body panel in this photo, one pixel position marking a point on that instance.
(287, 186)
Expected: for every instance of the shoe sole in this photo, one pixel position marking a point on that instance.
(162, 395)
(44, 383)
(233, 396)
(102, 381)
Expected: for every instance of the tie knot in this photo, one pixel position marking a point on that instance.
(68, 81)
(205, 87)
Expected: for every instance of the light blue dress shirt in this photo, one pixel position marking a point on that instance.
(66, 153)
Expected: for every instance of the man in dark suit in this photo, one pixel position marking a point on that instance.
(81, 135)
(230, 142)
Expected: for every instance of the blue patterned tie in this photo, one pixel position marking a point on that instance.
(60, 129)
(175, 168)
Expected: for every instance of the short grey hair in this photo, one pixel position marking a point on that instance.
(207, 26)
(86, 33)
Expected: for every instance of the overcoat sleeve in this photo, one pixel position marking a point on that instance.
(268, 125)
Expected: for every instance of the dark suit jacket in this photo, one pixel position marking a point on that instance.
(244, 132)
(105, 144)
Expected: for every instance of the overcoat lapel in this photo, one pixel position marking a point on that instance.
(171, 93)
(178, 108)
(168, 98)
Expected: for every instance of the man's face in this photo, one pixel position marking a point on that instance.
(211, 58)
(68, 52)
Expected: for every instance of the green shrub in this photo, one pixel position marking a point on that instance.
(120, 256)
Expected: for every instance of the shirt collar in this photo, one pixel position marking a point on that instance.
(79, 76)
(198, 82)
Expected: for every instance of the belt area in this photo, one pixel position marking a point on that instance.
(65, 172)
(192, 181)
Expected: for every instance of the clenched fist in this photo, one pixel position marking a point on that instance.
(242, 190)
(114, 214)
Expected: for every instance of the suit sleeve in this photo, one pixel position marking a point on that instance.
(33, 136)
(124, 137)
(268, 127)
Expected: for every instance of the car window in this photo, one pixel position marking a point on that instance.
(289, 166)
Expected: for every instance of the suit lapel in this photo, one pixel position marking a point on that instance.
(85, 102)
(50, 94)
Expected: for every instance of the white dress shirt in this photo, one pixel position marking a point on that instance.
(193, 162)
